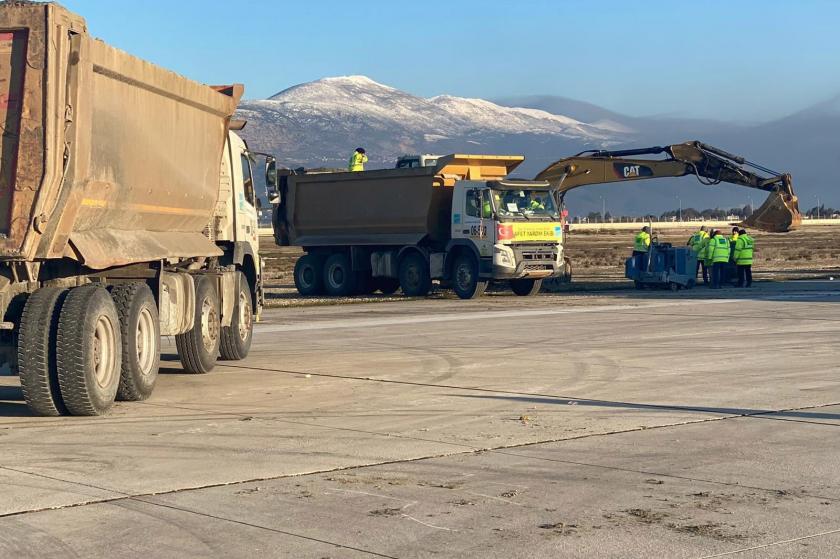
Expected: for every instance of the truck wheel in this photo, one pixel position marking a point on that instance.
(387, 286)
(89, 351)
(309, 275)
(339, 279)
(465, 280)
(415, 278)
(236, 338)
(525, 287)
(36, 352)
(199, 348)
(140, 326)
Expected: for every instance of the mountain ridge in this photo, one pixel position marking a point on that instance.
(319, 123)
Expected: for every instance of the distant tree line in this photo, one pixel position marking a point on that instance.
(692, 214)
(822, 211)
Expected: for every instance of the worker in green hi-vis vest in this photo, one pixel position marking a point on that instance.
(744, 247)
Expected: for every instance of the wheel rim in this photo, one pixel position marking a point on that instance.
(464, 276)
(337, 276)
(209, 324)
(413, 276)
(307, 276)
(104, 352)
(244, 316)
(146, 346)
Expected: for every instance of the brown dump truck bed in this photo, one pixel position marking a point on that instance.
(106, 158)
(382, 207)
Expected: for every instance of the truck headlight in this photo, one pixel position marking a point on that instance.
(503, 256)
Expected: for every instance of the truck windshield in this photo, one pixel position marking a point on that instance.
(526, 203)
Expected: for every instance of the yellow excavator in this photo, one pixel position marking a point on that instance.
(711, 166)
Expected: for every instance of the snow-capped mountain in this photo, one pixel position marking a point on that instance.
(320, 123)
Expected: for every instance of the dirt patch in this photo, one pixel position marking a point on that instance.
(708, 530)
(560, 528)
(385, 512)
(646, 516)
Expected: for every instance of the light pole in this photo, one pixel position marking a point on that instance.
(680, 214)
(818, 206)
(603, 209)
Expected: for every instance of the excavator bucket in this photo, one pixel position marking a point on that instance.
(779, 213)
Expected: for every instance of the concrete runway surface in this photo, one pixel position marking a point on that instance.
(634, 424)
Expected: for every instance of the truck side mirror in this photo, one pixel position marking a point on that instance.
(272, 186)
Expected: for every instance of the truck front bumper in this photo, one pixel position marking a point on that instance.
(527, 261)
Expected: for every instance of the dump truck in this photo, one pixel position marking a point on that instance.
(127, 212)
(459, 221)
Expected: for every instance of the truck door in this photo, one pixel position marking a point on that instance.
(477, 220)
(246, 206)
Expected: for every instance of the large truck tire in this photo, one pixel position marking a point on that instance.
(415, 276)
(198, 349)
(465, 280)
(339, 279)
(387, 286)
(309, 275)
(36, 352)
(89, 351)
(525, 287)
(140, 326)
(237, 338)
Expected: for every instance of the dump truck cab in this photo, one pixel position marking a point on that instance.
(235, 224)
(414, 161)
(514, 226)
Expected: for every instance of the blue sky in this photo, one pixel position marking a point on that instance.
(742, 60)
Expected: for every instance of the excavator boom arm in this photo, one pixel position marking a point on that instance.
(709, 164)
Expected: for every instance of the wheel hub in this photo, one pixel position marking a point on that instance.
(145, 342)
(244, 316)
(209, 324)
(464, 276)
(104, 352)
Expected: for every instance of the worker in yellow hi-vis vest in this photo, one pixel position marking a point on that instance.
(641, 247)
(357, 160)
(698, 242)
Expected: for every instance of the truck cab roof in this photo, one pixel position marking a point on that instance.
(519, 184)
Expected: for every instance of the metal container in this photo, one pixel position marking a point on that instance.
(106, 159)
(663, 266)
(381, 207)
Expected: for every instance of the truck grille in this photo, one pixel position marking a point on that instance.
(538, 255)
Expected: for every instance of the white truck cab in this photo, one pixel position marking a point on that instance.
(414, 161)
(514, 226)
